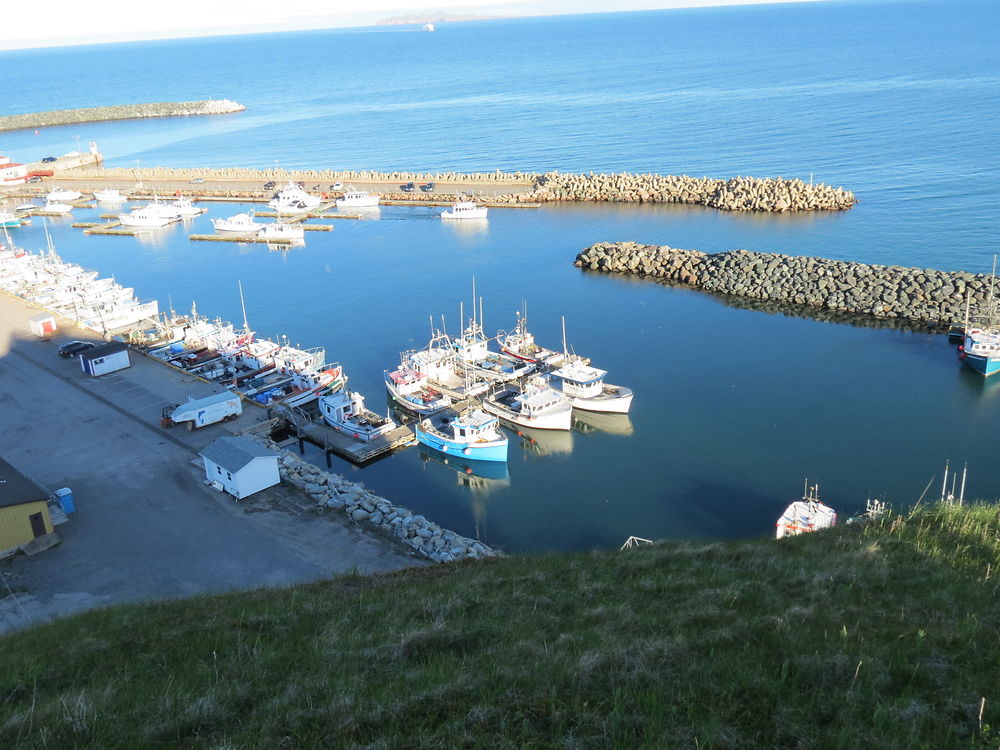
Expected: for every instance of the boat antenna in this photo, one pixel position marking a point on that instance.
(565, 352)
(481, 326)
(246, 325)
(961, 492)
(473, 299)
(944, 482)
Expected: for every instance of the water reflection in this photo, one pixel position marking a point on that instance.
(469, 228)
(543, 442)
(479, 476)
(591, 421)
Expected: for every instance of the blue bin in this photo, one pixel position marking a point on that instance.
(65, 499)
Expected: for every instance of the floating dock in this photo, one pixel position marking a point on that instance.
(355, 451)
(237, 237)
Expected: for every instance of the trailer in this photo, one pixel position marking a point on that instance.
(195, 413)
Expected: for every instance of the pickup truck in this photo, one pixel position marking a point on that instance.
(408, 187)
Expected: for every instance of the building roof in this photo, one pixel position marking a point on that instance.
(103, 350)
(233, 453)
(17, 489)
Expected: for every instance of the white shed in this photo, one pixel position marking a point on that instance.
(106, 358)
(241, 465)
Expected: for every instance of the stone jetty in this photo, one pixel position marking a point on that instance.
(334, 493)
(919, 295)
(772, 195)
(118, 112)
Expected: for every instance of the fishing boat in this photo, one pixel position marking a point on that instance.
(409, 388)
(56, 208)
(292, 199)
(534, 404)
(585, 387)
(243, 223)
(281, 231)
(345, 412)
(186, 209)
(464, 209)
(8, 220)
(473, 356)
(521, 344)
(980, 348)
(472, 434)
(55, 195)
(358, 199)
(109, 196)
(805, 515)
(144, 219)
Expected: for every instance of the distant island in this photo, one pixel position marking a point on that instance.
(432, 18)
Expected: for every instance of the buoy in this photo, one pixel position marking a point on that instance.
(468, 470)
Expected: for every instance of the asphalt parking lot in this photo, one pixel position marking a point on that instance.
(146, 527)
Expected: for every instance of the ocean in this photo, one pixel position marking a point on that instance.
(735, 407)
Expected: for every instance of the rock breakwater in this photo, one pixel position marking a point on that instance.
(920, 295)
(332, 492)
(118, 112)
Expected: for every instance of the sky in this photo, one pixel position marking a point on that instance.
(67, 22)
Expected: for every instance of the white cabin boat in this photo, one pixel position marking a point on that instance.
(56, 208)
(281, 231)
(109, 196)
(521, 344)
(143, 218)
(585, 387)
(292, 199)
(186, 209)
(55, 195)
(535, 404)
(358, 199)
(805, 515)
(465, 210)
(345, 412)
(243, 223)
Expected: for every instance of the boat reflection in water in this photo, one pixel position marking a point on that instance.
(542, 442)
(479, 476)
(594, 421)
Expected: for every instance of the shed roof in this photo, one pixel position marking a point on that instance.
(233, 453)
(103, 350)
(17, 489)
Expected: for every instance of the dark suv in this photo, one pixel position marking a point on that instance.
(407, 188)
(73, 348)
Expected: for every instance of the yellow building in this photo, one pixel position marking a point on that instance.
(24, 510)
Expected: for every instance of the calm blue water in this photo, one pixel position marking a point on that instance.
(896, 101)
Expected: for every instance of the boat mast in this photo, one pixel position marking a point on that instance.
(246, 325)
(944, 482)
(961, 492)
(565, 353)
(993, 278)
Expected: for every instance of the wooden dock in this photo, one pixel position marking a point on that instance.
(237, 237)
(356, 451)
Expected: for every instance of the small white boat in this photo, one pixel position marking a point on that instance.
(186, 209)
(109, 196)
(535, 404)
(465, 210)
(27, 207)
(56, 208)
(239, 223)
(63, 194)
(357, 199)
(585, 387)
(281, 231)
(345, 411)
(292, 199)
(144, 218)
(805, 515)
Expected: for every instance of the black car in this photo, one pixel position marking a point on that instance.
(73, 348)
(407, 188)
(49, 159)
(268, 185)
(427, 187)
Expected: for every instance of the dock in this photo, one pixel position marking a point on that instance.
(317, 432)
(237, 237)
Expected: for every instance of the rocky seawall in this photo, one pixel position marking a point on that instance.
(772, 195)
(118, 112)
(332, 492)
(920, 295)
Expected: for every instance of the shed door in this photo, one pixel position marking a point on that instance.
(37, 524)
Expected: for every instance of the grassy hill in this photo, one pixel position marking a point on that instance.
(883, 635)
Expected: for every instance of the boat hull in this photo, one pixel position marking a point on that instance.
(609, 402)
(495, 450)
(561, 419)
(984, 365)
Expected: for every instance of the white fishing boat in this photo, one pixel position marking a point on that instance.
(243, 223)
(409, 388)
(806, 515)
(585, 387)
(473, 435)
(56, 195)
(109, 196)
(292, 199)
(521, 344)
(357, 199)
(345, 412)
(464, 210)
(534, 404)
(281, 231)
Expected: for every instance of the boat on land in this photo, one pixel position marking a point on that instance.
(292, 199)
(242, 222)
(534, 404)
(281, 231)
(464, 209)
(806, 515)
(980, 348)
(358, 199)
(56, 195)
(345, 412)
(110, 196)
(585, 387)
(473, 434)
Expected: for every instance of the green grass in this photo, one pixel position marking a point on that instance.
(878, 636)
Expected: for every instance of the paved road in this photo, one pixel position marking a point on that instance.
(145, 526)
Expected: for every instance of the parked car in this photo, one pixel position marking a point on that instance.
(337, 186)
(197, 180)
(269, 185)
(34, 178)
(49, 159)
(427, 187)
(73, 348)
(407, 188)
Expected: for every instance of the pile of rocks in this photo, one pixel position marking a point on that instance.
(335, 493)
(735, 194)
(119, 112)
(917, 294)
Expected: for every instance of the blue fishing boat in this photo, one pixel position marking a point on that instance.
(980, 349)
(473, 434)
